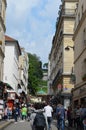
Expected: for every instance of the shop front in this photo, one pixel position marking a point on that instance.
(66, 99)
(11, 98)
(79, 95)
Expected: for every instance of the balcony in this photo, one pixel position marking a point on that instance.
(68, 12)
(65, 13)
(59, 73)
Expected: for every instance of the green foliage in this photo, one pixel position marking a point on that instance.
(43, 83)
(45, 65)
(43, 86)
(35, 73)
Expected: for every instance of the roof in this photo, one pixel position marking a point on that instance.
(10, 39)
(7, 38)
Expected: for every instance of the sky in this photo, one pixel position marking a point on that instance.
(32, 23)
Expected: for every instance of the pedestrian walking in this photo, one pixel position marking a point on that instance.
(82, 115)
(77, 117)
(30, 111)
(24, 112)
(69, 116)
(60, 112)
(32, 117)
(16, 113)
(5, 113)
(39, 122)
(48, 112)
(9, 113)
(84, 123)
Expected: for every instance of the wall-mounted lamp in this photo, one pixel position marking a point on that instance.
(68, 48)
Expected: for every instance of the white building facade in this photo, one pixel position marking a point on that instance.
(11, 63)
(23, 70)
(3, 5)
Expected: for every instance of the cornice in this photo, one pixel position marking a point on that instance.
(70, 0)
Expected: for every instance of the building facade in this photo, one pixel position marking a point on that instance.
(23, 71)
(3, 5)
(11, 65)
(79, 91)
(61, 61)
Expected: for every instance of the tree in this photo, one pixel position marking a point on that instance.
(45, 65)
(35, 73)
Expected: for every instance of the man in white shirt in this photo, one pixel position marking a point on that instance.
(48, 112)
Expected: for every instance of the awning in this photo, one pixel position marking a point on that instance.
(41, 92)
(8, 86)
(11, 91)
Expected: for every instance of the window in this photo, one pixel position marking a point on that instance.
(84, 67)
(78, 17)
(84, 37)
(82, 9)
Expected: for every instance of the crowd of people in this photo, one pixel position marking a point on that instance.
(77, 117)
(41, 115)
(71, 117)
(15, 113)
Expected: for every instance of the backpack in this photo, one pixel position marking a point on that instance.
(39, 120)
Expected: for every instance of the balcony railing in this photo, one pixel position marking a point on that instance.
(59, 73)
(68, 12)
(65, 13)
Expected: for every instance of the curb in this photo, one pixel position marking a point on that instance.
(4, 125)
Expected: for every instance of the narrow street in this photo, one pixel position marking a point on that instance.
(25, 125)
(43, 64)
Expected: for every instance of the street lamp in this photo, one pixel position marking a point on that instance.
(68, 48)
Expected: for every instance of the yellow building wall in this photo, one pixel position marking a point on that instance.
(68, 26)
(68, 55)
(70, 5)
(67, 86)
